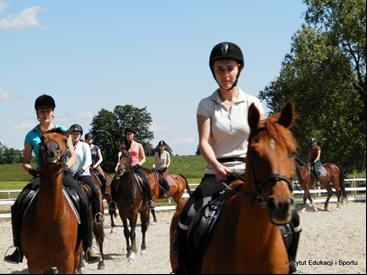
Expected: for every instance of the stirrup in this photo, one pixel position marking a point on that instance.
(93, 260)
(20, 255)
(99, 218)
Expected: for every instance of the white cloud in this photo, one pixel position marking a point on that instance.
(25, 19)
(3, 5)
(4, 95)
(24, 126)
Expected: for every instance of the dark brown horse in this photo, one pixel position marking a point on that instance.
(334, 178)
(246, 238)
(49, 232)
(127, 192)
(98, 228)
(177, 184)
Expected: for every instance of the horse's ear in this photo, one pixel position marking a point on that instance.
(68, 132)
(287, 116)
(253, 117)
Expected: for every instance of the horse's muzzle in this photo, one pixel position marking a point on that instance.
(280, 212)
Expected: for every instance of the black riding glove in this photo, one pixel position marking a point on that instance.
(35, 172)
(78, 174)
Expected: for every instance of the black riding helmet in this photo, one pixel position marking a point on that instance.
(129, 129)
(77, 128)
(226, 50)
(44, 101)
(161, 142)
(88, 136)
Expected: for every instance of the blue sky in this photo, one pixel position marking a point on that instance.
(91, 55)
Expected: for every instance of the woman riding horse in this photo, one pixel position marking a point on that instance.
(45, 106)
(162, 160)
(81, 170)
(223, 135)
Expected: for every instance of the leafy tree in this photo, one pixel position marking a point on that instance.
(10, 155)
(326, 83)
(108, 129)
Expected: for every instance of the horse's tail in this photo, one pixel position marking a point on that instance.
(187, 185)
(342, 182)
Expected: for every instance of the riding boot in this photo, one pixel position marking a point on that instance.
(103, 183)
(179, 248)
(90, 254)
(17, 256)
(291, 234)
(292, 250)
(148, 192)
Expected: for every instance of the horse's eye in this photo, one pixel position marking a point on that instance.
(292, 154)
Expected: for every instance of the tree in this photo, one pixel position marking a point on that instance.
(108, 128)
(321, 78)
(10, 155)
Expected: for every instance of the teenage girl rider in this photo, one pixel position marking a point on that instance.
(45, 106)
(81, 171)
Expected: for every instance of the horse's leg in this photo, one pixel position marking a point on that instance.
(154, 216)
(304, 201)
(311, 201)
(144, 217)
(99, 235)
(133, 234)
(112, 212)
(127, 237)
(335, 182)
(329, 194)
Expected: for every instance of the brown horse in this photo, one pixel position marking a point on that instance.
(49, 232)
(98, 229)
(334, 177)
(107, 194)
(127, 192)
(246, 238)
(177, 184)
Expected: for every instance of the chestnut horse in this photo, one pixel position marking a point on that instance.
(246, 238)
(177, 184)
(49, 232)
(334, 178)
(127, 192)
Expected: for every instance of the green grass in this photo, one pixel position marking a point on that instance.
(13, 176)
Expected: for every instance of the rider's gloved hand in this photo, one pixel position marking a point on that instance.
(35, 172)
(78, 174)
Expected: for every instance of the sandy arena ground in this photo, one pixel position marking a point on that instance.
(331, 242)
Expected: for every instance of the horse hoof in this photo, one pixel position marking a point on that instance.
(143, 252)
(303, 209)
(131, 256)
(101, 265)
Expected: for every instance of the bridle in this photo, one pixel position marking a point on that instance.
(60, 159)
(260, 184)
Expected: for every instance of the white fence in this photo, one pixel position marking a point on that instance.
(355, 193)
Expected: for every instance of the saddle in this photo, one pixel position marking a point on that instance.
(202, 225)
(71, 196)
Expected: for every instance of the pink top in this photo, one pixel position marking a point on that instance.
(134, 152)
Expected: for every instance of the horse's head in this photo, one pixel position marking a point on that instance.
(270, 161)
(53, 148)
(124, 163)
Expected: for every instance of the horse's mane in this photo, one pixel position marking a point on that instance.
(280, 134)
(300, 161)
(146, 169)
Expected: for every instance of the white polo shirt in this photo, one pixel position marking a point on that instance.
(83, 158)
(230, 130)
